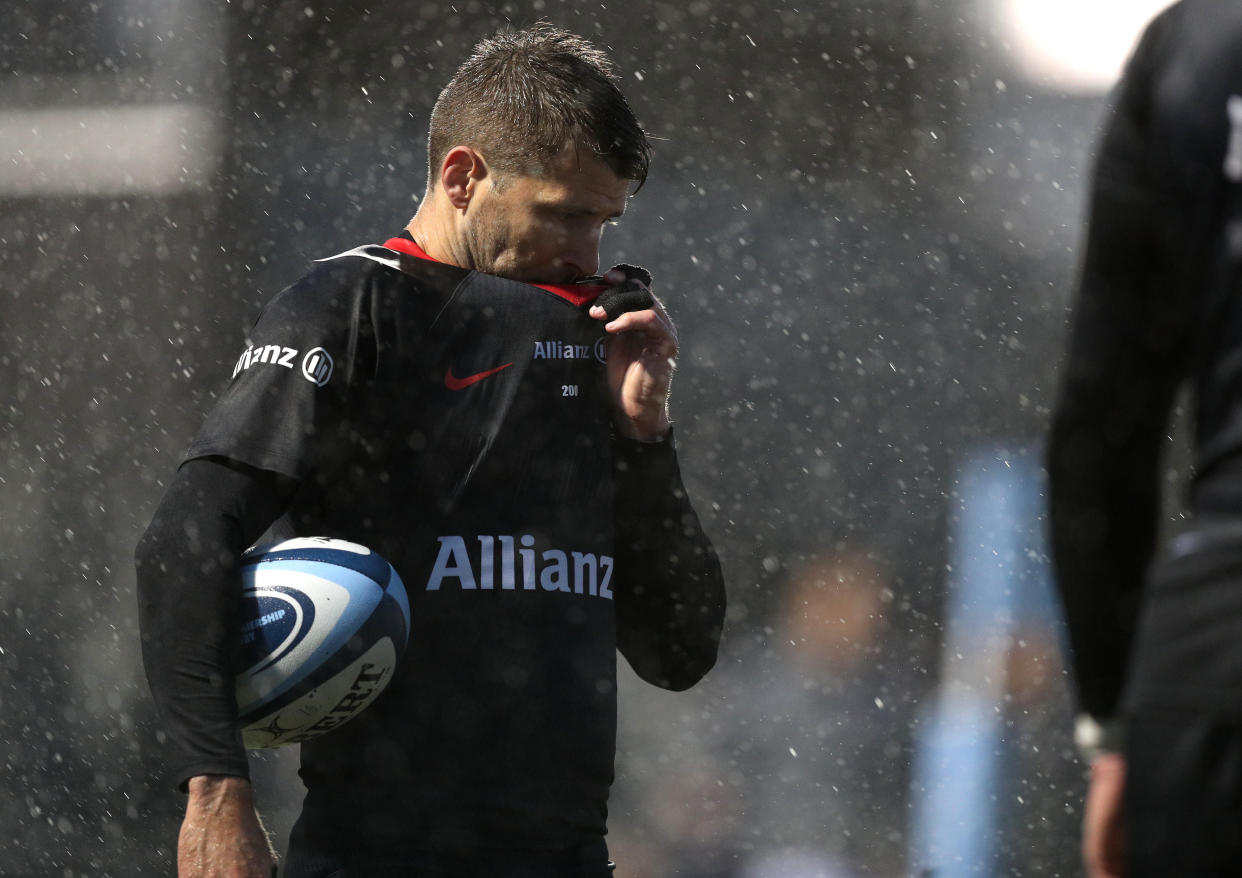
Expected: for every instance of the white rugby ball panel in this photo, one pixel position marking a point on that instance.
(324, 623)
(325, 707)
(315, 544)
(322, 616)
(340, 553)
(274, 625)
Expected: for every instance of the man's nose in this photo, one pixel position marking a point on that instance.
(583, 254)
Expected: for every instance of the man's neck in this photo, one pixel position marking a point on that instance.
(433, 232)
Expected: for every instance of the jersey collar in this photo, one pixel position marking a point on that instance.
(577, 294)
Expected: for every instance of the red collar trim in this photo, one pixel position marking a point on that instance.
(577, 294)
(405, 245)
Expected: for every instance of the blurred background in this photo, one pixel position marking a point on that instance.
(864, 216)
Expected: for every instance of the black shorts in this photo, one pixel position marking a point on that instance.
(1183, 795)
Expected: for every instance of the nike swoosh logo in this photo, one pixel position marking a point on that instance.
(452, 382)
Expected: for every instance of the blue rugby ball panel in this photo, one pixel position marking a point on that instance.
(324, 624)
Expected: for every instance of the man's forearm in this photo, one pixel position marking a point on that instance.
(222, 832)
(671, 598)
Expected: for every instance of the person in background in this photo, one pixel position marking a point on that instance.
(1156, 642)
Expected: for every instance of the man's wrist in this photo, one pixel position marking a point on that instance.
(1095, 737)
(217, 787)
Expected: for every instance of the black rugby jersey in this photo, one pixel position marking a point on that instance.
(1157, 306)
(459, 424)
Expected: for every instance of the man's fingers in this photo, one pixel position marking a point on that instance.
(625, 271)
(628, 296)
(652, 322)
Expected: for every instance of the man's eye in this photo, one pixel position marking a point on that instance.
(581, 216)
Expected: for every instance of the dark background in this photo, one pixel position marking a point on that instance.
(862, 220)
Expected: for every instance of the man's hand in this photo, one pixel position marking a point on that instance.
(642, 352)
(1103, 844)
(221, 836)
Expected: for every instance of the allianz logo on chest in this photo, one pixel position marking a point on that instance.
(566, 350)
(512, 563)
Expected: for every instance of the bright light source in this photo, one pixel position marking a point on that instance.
(155, 149)
(1075, 45)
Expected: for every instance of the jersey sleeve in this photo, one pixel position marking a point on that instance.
(304, 366)
(670, 593)
(189, 582)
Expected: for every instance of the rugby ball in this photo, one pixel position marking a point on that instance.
(324, 623)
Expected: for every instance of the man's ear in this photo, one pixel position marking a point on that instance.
(460, 175)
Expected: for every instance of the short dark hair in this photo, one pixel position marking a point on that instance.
(524, 95)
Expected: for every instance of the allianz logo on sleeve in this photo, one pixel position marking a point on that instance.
(316, 365)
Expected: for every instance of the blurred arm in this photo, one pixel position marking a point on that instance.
(1125, 361)
(1103, 836)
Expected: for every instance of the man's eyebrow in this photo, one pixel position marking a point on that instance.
(587, 210)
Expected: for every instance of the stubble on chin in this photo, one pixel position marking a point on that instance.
(488, 245)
